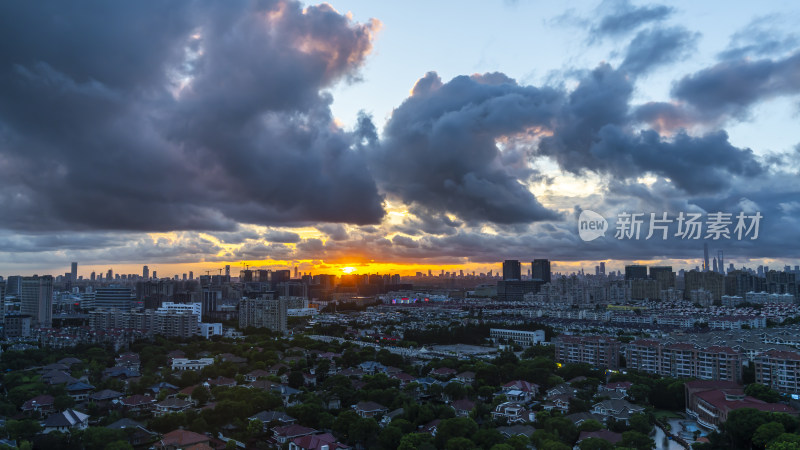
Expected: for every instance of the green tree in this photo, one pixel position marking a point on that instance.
(97, 438)
(554, 445)
(416, 441)
(595, 444)
(640, 422)
(452, 428)
(487, 437)
(767, 433)
(639, 441)
(63, 402)
(201, 395)
(518, 442)
(762, 392)
(590, 425)
(459, 443)
(742, 424)
(389, 438)
(563, 428)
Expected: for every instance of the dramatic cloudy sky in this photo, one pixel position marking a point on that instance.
(391, 136)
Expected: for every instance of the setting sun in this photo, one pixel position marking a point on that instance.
(348, 269)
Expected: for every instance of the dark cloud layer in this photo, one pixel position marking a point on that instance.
(730, 88)
(625, 17)
(216, 117)
(221, 117)
(439, 148)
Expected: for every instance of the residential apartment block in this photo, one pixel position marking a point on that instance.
(684, 360)
(780, 370)
(598, 351)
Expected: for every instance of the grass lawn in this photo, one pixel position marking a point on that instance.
(663, 413)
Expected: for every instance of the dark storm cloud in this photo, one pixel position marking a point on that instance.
(730, 88)
(334, 231)
(282, 237)
(592, 132)
(626, 17)
(216, 117)
(654, 47)
(439, 147)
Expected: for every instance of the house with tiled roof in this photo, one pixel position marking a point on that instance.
(106, 395)
(620, 410)
(463, 407)
(513, 412)
(138, 403)
(221, 381)
(520, 390)
(181, 440)
(443, 372)
(65, 421)
(79, 391)
(369, 409)
(286, 433)
(171, 405)
(43, 404)
(467, 377)
(268, 417)
(254, 375)
(324, 441)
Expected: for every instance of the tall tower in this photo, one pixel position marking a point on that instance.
(74, 272)
(541, 270)
(36, 299)
(145, 272)
(228, 272)
(720, 263)
(511, 270)
(705, 257)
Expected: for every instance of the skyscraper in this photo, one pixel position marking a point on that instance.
(74, 273)
(2, 301)
(36, 299)
(511, 270)
(110, 274)
(705, 257)
(602, 268)
(145, 272)
(541, 270)
(228, 272)
(191, 275)
(635, 272)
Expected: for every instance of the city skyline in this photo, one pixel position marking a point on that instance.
(372, 137)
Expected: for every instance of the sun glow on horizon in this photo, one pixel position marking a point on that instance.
(348, 269)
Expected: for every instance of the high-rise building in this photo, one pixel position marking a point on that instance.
(511, 270)
(36, 300)
(146, 272)
(74, 272)
(13, 285)
(212, 296)
(228, 271)
(263, 313)
(191, 276)
(93, 276)
(635, 272)
(110, 275)
(602, 268)
(112, 297)
(155, 274)
(541, 270)
(2, 300)
(705, 257)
